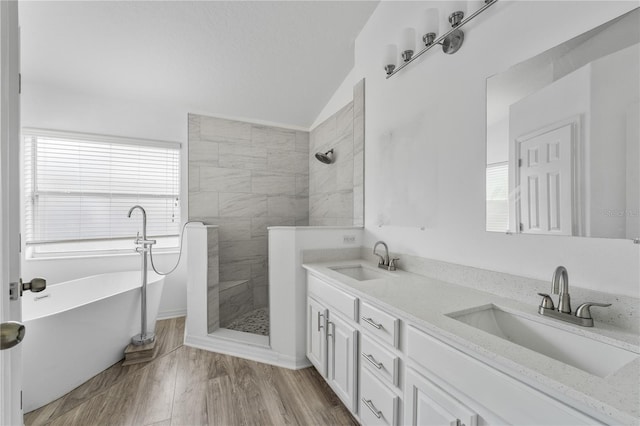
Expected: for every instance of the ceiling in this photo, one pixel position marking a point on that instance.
(277, 61)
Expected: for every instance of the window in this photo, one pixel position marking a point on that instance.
(498, 197)
(79, 189)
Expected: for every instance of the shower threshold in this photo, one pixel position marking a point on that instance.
(241, 337)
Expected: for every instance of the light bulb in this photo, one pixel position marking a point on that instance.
(431, 26)
(408, 43)
(390, 57)
(457, 11)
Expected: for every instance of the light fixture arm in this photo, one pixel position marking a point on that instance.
(440, 40)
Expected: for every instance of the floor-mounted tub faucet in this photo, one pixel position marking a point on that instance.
(143, 246)
(384, 261)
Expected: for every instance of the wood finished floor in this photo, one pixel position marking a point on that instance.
(188, 386)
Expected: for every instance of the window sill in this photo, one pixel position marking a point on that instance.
(96, 255)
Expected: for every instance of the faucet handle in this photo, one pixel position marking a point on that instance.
(583, 310)
(392, 264)
(546, 302)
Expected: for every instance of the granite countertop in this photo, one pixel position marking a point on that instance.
(426, 302)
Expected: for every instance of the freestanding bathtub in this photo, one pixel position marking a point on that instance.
(76, 329)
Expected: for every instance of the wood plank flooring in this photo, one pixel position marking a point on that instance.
(188, 386)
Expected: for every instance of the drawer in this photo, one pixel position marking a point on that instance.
(336, 298)
(507, 398)
(382, 363)
(378, 404)
(380, 324)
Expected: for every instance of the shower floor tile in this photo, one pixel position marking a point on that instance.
(256, 322)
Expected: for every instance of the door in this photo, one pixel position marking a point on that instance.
(342, 341)
(427, 404)
(10, 359)
(316, 337)
(545, 178)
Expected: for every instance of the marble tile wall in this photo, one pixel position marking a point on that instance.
(336, 191)
(245, 177)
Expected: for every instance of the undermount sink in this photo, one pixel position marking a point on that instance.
(359, 272)
(592, 356)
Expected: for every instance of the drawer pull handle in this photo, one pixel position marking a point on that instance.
(319, 325)
(372, 360)
(370, 321)
(372, 407)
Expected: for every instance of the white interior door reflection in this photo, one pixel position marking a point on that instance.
(544, 175)
(569, 116)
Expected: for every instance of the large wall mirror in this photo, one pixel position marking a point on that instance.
(563, 138)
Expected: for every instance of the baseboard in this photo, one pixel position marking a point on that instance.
(172, 314)
(250, 352)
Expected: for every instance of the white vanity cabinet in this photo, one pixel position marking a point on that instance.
(332, 338)
(428, 404)
(342, 347)
(316, 335)
(389, 370)
(496, 397)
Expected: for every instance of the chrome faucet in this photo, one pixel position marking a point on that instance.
(560, 286)
(142, 243)
(143, 247)
(384, 261)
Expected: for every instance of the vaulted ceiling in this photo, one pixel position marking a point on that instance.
(276, 61)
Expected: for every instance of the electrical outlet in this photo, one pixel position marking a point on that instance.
(349, 239)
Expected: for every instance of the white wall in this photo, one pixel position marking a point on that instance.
(287, 299)
(615, 88)
(50, 108)
(425, 144)
(340, 98)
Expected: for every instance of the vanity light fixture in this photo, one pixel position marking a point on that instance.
(431, 26)
(408, 43)
(390, 56)
(451, 41)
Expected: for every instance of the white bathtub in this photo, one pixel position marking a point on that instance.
(76, 329)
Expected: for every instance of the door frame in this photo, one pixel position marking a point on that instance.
(11, 359)
(579, 175)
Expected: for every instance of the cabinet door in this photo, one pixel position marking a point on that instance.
(342, 342)
(316, 335)
(428, 404)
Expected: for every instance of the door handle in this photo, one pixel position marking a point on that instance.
(36, 285)
(11, 333)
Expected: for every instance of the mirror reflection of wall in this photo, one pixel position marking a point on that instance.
(562, 138)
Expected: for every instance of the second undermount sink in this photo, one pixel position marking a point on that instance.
(359, 272)
(592, 356)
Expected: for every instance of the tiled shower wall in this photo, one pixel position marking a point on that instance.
(336, 191)
(245, 177)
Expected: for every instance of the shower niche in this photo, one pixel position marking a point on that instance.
(245, 177)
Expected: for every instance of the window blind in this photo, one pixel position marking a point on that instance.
(81, 187)
(498, 197)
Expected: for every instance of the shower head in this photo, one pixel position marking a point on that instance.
(326, 158)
